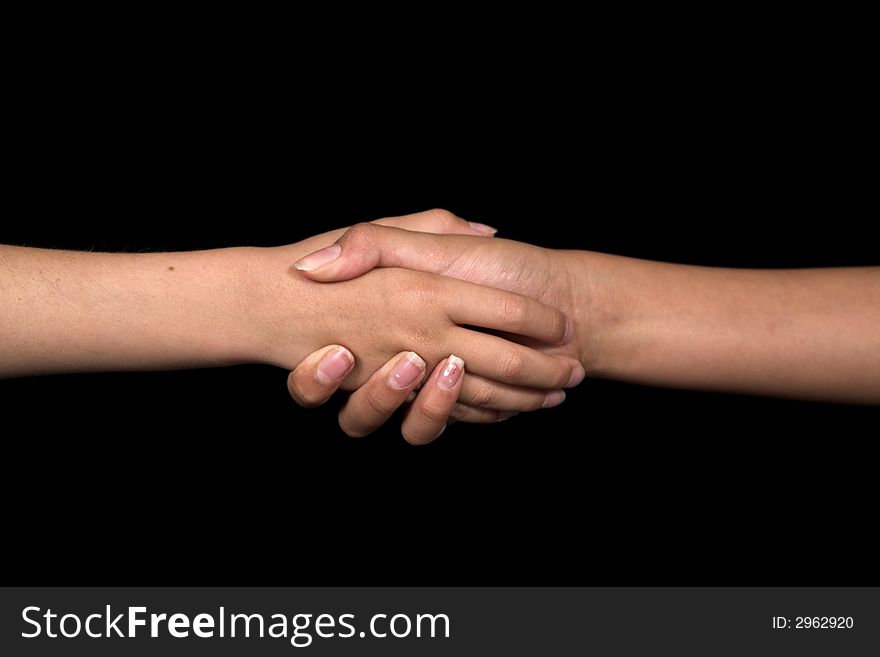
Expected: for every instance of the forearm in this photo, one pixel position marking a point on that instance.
(63, 311)
(809, 334)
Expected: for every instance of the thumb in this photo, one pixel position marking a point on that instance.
(437, 221)
(366, 246)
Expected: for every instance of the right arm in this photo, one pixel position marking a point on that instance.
(808, 334)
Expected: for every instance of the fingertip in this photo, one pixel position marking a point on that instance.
(554, 398)
(318, 259)
(334, 365)
(482, 229)
(452, 373)
(578, 374)
(407, 371)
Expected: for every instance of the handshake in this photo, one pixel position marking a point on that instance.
(435, 311)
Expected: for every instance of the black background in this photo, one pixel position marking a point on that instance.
(743, 150)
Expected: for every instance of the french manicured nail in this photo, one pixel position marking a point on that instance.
(506, 415)
(554, 398)
(451, 373)
(319, 258)
(577, 375)
(334, 365)
(482, 228)
(407, 371)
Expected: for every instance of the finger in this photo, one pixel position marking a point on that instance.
(429, 413)
(483, 393)
(370, 406)
(365, 246)
(464, 413)
(506, 311)
(318, 376)
(439, 222)
(507, 362)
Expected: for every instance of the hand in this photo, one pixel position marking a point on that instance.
(370, 406)
(69, 311)
(440, 222)
(537, 271)
(555, 278)
(473, 388)
(389, 310)
(804, 333)
(483, 400)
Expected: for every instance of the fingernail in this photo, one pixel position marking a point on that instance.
(334, 365)
(451, 373)
(577, 375)
(407, 371)
(569, 331)
(319, 258)
(554, 398)
(482, 228)
(506, 415)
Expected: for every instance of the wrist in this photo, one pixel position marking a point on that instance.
(230, 304)
(600, 308)
(276, 306)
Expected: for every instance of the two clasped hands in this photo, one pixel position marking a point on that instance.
(435, 312)
(477, 328)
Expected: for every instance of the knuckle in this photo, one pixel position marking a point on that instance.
(511, 366)
(444, 217)
(459, 413)
(434, 413)
(363, 233)
(415, 293)
(377, 403)
(463, 413)
(422, 338)
(513, 311)
(484, 396)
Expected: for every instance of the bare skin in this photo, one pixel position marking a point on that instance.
(801, 333)
(68, 311)
(808, 334)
